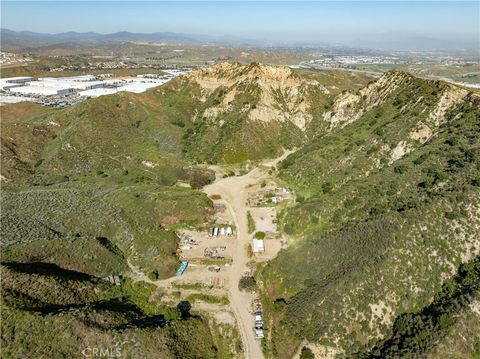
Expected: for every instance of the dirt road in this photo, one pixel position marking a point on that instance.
(233, 191)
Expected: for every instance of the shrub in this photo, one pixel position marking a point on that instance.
(288, 228)
(414, 333)
(207, 298)
(327, 187)
(153, 275)
(475, 182)
(421, 159)
(251, 222)
(400, 169)
(260, 235)
(247, 283)
(306, 353)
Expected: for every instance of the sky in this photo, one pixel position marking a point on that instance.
(377, 24)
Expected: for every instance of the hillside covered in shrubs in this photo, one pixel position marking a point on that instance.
(387, 211)
(383, 232)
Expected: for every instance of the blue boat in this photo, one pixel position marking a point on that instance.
(182, 268)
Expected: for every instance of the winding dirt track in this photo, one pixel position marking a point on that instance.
(234, 193)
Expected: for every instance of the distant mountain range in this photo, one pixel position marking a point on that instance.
(12, 40)
(24, 40)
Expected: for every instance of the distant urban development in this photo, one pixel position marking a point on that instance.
(62, 91)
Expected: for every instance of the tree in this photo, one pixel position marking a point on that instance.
(306, 353)
(153, 275)
(260, 235)
(247, 283)
(327, 187)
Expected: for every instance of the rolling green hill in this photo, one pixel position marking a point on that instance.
(387, 210)
(383, 231)
(232, 112)
(108, 167)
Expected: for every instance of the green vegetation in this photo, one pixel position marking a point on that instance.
(40, 301)
(153, 276)
(87, 188)
(247, 283)
(93, 256)
(207, 298)
(365, 216)
(84, 171)
(249, 250)
(463, 338)
(237, 140)
(196, 286)
(306, 353)
(260, 235)
(115, 218)
(415, 333)
(219, 128)
(250, 222)
(382, 175)
(145, 297)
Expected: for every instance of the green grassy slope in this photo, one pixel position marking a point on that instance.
(105, 168)
(366, 215)
(125, 137)
(114, 134)
(231, 114)
(415, 334)
(137, 220)
(50, 312)
(85, 190)
(384, 172)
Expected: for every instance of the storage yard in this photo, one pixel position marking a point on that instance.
(268, 196)
(215, 244)
(215, 258)
(64, 91)
(199, 246)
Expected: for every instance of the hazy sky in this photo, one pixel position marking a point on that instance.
(360, 22)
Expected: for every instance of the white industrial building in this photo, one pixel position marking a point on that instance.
(40, 90)
(70, 83)
(16, 89)
(11, 82)
(20, 80)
